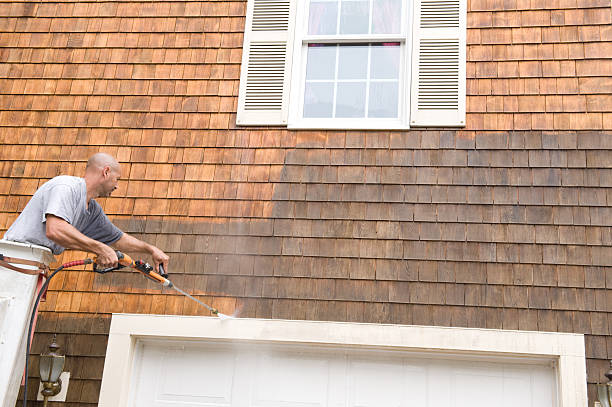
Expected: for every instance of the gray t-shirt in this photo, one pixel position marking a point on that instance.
(66, 198)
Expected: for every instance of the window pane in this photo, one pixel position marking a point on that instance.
(338, 75)
(385, 61)
(386, 16)
(354, 17)
(318, 99)
(350, 100)
(321, 62)
(383, 99)
(353, 62)
(323, 17)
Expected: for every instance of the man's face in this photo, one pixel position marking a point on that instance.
(111, 179)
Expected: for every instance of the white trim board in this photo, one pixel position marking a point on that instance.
(564, 349)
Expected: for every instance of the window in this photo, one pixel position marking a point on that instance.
(353, 64)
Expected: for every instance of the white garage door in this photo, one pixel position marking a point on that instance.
(241, 375)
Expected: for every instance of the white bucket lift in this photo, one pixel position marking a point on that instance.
(17, 296)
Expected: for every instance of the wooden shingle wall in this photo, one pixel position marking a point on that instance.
(505, 224)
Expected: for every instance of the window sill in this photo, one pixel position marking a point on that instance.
(373, 126)
(347, 124)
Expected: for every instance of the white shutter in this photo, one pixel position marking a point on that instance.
(266, 63)
(438, 63)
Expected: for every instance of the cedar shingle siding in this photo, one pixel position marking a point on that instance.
(504, 224)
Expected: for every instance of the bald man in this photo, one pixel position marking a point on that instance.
(63, 214)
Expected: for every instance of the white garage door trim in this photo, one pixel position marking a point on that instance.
(563, 349)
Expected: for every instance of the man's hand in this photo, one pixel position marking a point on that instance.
(106, 257)
(128, 244)
(159, 257)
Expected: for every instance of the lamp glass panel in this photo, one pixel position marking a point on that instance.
(56, 370)
(44, 367)
(603, 393)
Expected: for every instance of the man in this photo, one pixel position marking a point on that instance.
(63, 214)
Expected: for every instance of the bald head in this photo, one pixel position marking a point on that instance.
(101, 160)
(102, 175)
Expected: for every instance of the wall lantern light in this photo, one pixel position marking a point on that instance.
(51, 366)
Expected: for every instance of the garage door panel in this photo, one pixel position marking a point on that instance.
(512, 397)
(186, 377)
(391, 383)
(201, 374)
(541, 380)
(290, 380)
(439, 380)
(525, 386)
(479, 388)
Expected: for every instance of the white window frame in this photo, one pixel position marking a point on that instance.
(298, 74)
(565, 350)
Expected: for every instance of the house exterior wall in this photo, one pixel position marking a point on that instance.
(502, 224)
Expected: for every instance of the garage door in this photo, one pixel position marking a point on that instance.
(239, 375)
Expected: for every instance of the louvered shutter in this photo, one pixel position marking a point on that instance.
(266, 63)
(438, 63)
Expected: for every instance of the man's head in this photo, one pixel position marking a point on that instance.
(102, 173)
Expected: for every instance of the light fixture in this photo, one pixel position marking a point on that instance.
(604, 391)
(50, 367)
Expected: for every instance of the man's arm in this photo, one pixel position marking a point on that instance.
(66, 235)
(129, 244)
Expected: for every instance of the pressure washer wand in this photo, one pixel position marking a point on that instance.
(213, 310)
(149, 272)
(208, 307)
